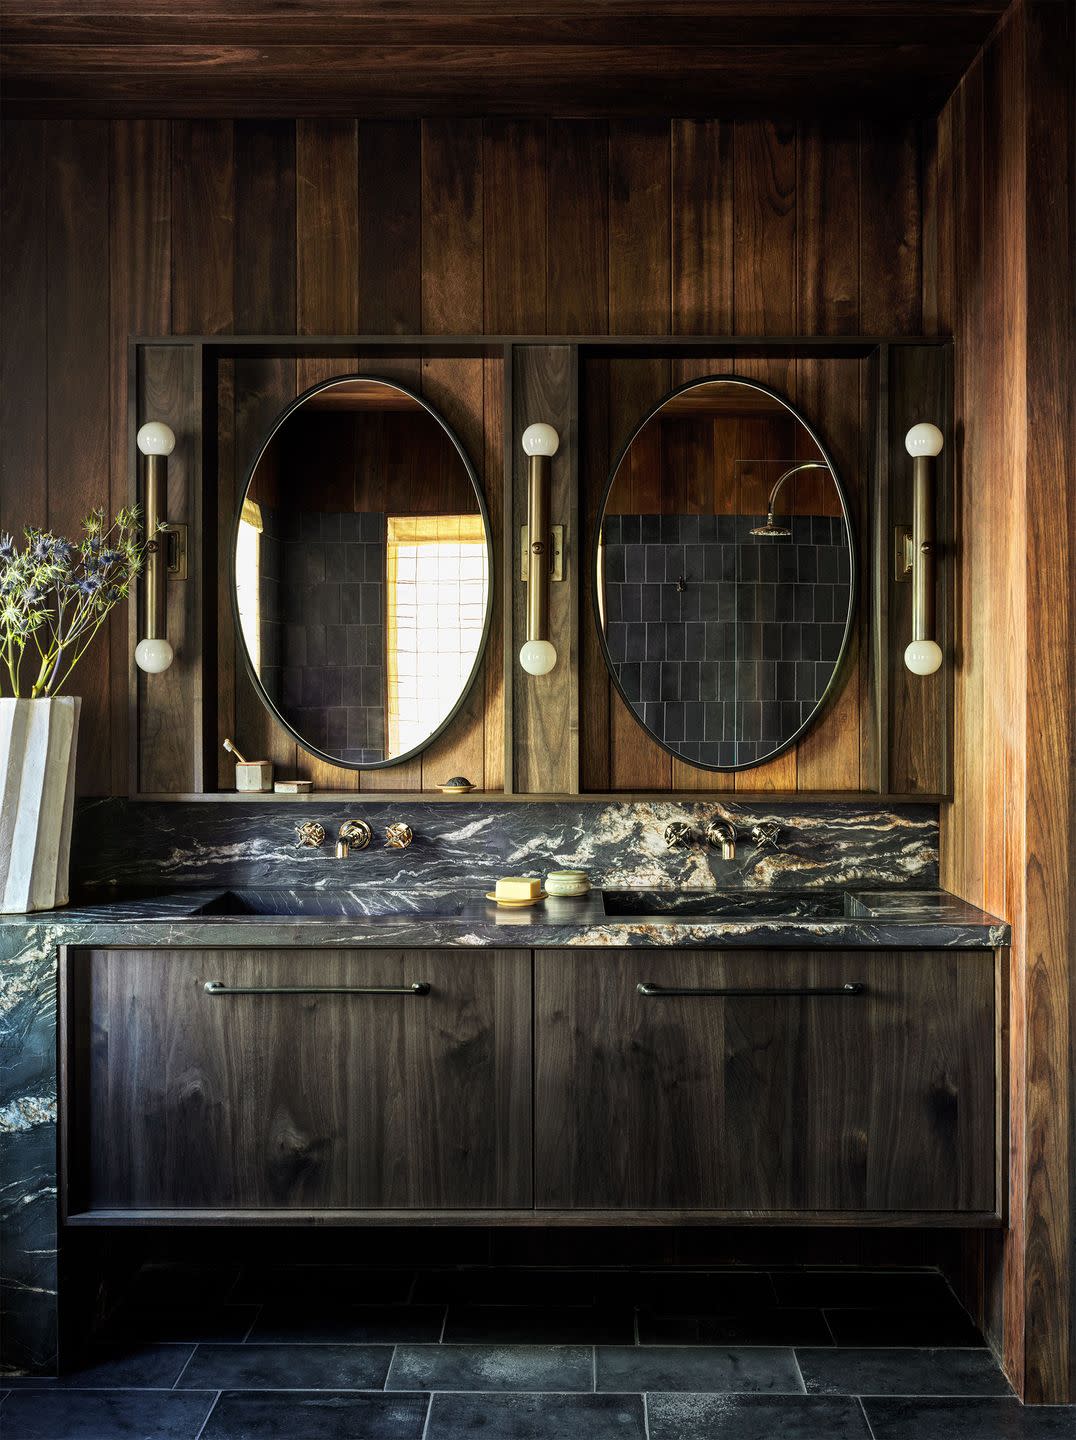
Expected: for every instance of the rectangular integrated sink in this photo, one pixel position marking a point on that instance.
(333, 904)
(673, 905)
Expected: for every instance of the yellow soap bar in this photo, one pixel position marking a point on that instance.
(518, 887)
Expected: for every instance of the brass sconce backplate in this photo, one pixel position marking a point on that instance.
(556, 559)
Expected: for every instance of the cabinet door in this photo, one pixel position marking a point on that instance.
(878, 1100)
(230, 1101)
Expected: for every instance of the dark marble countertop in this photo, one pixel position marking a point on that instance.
(905, 919)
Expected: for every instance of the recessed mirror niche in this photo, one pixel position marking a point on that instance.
(362, 567)
(724, 574)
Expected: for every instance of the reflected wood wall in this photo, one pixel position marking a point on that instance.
(442, 226)
(1001, 252)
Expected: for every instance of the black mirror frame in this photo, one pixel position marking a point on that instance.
(490, 590)
(825, 700)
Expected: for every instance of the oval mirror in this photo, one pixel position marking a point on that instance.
(362, 565)
(724, 573)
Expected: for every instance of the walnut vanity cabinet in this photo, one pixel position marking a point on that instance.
(790, 1094)
(185, 1100)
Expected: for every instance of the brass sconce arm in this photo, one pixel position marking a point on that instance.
(924, 444)
(538, 655)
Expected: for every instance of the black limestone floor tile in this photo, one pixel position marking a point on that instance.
(998, 1419)
(901, 1372)
(287, 1367)
(754, 1417)
(540, 1325)
(919, 1328)
(60, 1414)
(892, 1289)
(182, 1323)
(349, 1324)
(492, 1367)
(276, 1415)
(344, 1284)
(774, 1326)
(119, 1367)
(696, 1368)
(536, 1417)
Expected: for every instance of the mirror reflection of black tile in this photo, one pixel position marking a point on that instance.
(723, 642)
(325, 667)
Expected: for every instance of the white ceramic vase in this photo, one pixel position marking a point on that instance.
(38, 740)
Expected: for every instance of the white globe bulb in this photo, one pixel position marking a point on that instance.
(155, 438)
(923, 657)
(540, 439)
(153, 656)
(924, 439)
(538, 657)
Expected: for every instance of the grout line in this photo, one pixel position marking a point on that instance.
(388, 1372)
(799, 1372)
(429, 1412)
(829, 1327)
(594, 1369)
(209, 1416)
(250, 1328)
(186, 1363)
(646, 1415)
(866, 1417)
(444, 1327)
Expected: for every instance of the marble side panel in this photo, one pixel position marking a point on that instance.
(28, 1253)
(122, 844)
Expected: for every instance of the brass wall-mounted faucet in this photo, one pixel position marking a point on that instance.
(352, 835)
(721, 832)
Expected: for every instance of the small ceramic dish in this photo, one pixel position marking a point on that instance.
(458, 785)
(515, 904)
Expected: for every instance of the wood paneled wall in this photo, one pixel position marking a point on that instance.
(440, 226)
(1001, 252)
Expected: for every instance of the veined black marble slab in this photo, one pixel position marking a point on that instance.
(122, 844)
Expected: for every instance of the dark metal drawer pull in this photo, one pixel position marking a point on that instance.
(853, 987)
(217, 987)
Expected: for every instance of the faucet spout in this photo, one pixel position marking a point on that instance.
(720, 832)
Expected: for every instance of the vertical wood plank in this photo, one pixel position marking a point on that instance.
(702, 227)
(1050, 1283)
(451, 221)
(827, 194)
(578, 228)
(499, 502)
(639, 201)
(77, 429)
(23, 323)
(140, 261)
(515, 206)
(545, 707)
(765, 228)
(203, 227)
(390, 247)
(891, 288)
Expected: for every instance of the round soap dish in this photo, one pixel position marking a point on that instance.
(515, 904)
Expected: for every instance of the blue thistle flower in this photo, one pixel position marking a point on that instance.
(7, 547)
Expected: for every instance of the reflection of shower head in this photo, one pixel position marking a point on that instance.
(770, 530)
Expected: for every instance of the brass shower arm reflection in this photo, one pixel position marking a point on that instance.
(794, 470)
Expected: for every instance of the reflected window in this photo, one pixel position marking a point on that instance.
(248, 577)
(435, 607)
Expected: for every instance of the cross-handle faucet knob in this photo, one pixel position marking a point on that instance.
(310, 834)
(765, 835)
(398, 836)
(353, 835)
(720, 832)
(677, 834)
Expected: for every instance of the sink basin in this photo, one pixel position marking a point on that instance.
(316, 904)
(674, 905)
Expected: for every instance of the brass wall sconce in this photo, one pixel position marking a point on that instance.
(153, 653)
(538, 655)
(924, 443)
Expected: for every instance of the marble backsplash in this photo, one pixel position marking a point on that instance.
(121, 845)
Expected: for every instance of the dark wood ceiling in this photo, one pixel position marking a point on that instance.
(568, 57)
